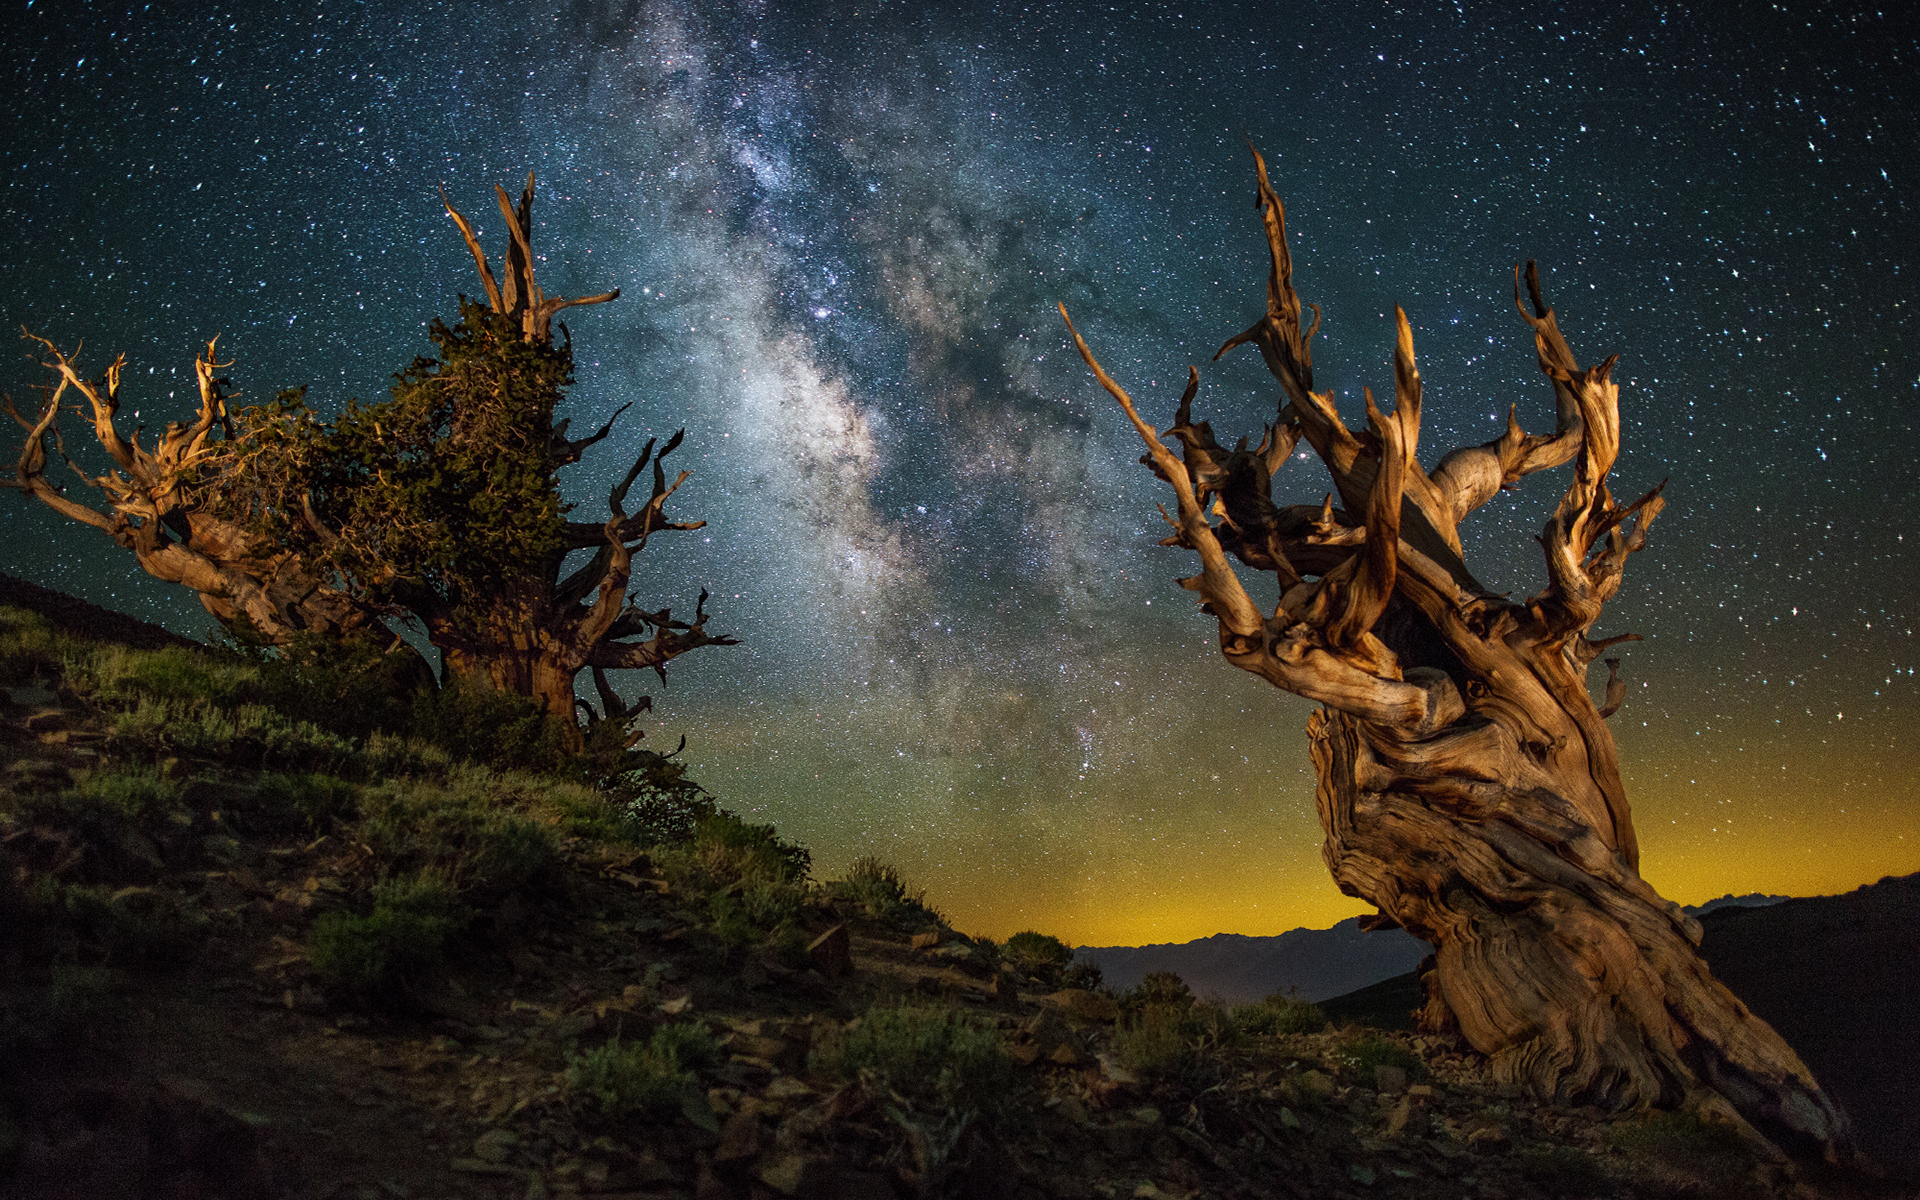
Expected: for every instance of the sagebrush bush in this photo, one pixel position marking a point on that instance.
(32, 648)
(1712, 1153)
(138, 793)
(1372, 1051)
(466, 829)
(1037, 954)
(391, 948)
(625, 1078)
(935, 1057)
(880, 889)
(1175, 1040)
(122, 676)
(1084, 974)
(311, 800)
(1281, 1012)
(1163, 988)
(130, 927)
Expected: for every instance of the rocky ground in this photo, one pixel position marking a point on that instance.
(224, 1067)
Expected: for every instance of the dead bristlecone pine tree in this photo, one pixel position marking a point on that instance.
(1468, 784)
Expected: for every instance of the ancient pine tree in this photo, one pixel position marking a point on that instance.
(440, 505)
(1468, 784)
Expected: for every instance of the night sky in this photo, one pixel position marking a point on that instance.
(839, 232)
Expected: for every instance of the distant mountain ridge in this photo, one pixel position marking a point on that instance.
(1317, 963)
(1234, 967)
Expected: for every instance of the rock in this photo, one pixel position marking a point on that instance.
(1488, 1139)
(1085, 1005)
(495, 1145)
(1111, 1067)
(479, 1166)
(927, 940)
(831, 953)
(739, 1137)
(1390, 1080)
(1409, 1118)
(1422, 1093)
(1146, 1115)
(1288, 1120)
(787, 1088)
(790, 1173)
(1024, 1053)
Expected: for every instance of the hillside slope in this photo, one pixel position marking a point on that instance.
(243, 956)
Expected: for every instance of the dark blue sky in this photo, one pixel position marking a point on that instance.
(839, 231)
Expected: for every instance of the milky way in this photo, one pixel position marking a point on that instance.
(839, 232)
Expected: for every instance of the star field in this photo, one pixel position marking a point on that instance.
(839, 232)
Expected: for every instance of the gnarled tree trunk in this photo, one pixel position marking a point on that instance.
(157, 505)
(1468, 784)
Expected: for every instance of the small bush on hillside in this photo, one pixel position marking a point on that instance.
(391, 948)
(725, 851)
(313, 801)
(1710, 1152)
(625, 1078)
(880, 889)
(1282, 1012)
(1084, 974)
(482, 725)
(937, 1058)
(391, 754)
(138, 793)
(1373, 1051)
(1037, 954)
(1162, 988)
(249, 734)
(464, 830)
(653, 797)
(125, 928)
(32, 648)
(1170, 1039)
(123, 677)
(352, 688)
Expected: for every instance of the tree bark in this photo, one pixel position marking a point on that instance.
(1468, 784)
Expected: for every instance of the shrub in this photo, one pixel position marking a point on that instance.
(1373, 1051)
(121, 676)
(654, 798)
(138, 793)
(132, 927)
(1037, 954)
(1084, 974)
(885, 895)
(392, 754)
(934, 1057)
(1282, 1012)
(751, 851)
(462, 830)
(311, 799)
(627, 1078)
(32, 648)
(1173, 1039)
(1710, 1152)
(482, 725)
(393, 947)
(1158, 988)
